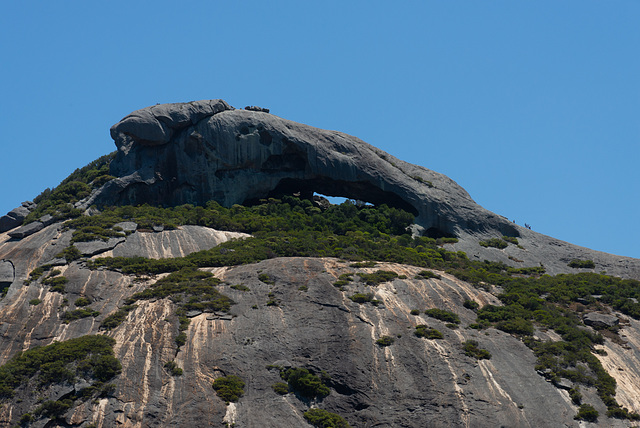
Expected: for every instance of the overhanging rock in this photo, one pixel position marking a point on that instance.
(195, 152)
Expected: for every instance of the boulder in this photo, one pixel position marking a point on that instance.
(13, 218)
(89, 249)
(127, 226)
(29, 229)
(600, 321)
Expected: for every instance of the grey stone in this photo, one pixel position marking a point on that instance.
(565, 384)
(256, 108)
(598, 320)
(127, 226)
(158, 165)
(47, 219)
(93, 248)
(13, 218)
(7, 272)
(193, 313)
(158, 228)
(24, 231)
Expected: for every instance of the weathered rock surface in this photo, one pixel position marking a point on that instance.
(16, 216)
(195, 152)
(412, 383)
(27, 230)
(598, 320)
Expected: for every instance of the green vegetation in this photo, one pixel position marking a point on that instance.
(427, 274)
(427, 332)
(116, 318)
(229, 388)
(362, 298)
(240, 287)
(71, 253)
(293, 227)
(304, 383)
(586, 412)
(77, 314)
(280, 388)
(82, 301)
(266, 279)
(442, 315)
(385, 341)
(582, 264)
(511, 239)
(59, 201)
(495, 243)
(378, 277)
(89, 357)
(323, 419)
(415, 312)
(472, 349)
(35, 302)
(173, 368)
(56, 283)
(471, 304)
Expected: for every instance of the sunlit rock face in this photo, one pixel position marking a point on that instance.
(195, 152)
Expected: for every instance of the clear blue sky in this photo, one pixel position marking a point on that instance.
(533, 107)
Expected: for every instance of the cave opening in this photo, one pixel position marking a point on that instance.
(362, 192)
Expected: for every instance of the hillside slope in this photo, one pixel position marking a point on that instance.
(115, 315)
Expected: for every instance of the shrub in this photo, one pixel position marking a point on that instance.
(229, 388)
(173, 368)
(471, 304)
(378, 277)
(471, 349)
(77, 314)
(280, 388)
(442, 315)
(495, 243)
(240, 287)
(511, 239)
(181, 339)
(575, 395)
(385, 341)
(266, 279)
(35, 302)
(581, 264)
(88, 356)
(586, 412)
(305, 383)
(427, 332)
(415, 312)
(56, 283)
(70, 254)
(427, 274)
(82, 301)
(322, 419)
(116, 318)
(53, 409)
(361, 297)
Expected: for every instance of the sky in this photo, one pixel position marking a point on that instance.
(532, 107)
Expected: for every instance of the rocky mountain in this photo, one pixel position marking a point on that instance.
(198, 277)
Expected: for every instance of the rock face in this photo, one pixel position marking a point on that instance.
(415, 382)
(288, 311)
(206, 150)
(16, 216)
(191, 153)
